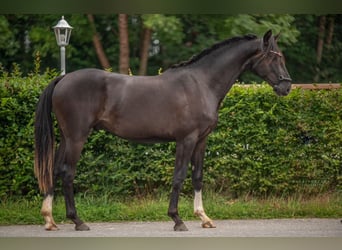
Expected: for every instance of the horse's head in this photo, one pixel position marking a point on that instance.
(269, 64)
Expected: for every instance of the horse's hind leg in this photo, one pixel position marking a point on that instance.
(67, 173)
(46, 210)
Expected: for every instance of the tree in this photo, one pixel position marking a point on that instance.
(323, 33)
(163, 28)
(176, 38)
(301, 58)
(124, 43)
(8, 44)
(259, 24)
(150, 42)
(101, 55)
(144, 48)
(320, 44)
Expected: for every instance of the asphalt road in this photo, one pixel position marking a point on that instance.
(225, 228)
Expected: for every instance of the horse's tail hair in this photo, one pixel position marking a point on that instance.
(44, 139)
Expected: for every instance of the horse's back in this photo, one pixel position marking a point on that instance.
(81, 81)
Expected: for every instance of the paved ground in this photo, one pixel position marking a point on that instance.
(225, 228)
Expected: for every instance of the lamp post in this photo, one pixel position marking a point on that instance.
(62, 32)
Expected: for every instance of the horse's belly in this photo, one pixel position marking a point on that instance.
(153, 131)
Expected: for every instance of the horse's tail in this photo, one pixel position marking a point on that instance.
(44, 139)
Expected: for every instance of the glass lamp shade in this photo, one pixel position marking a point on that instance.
(62, 32)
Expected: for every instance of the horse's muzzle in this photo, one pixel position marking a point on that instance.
(283, 88)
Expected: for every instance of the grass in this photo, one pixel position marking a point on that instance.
(107, 209)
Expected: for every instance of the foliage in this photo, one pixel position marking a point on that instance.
(179, 37)
(259, 24)
(272, 145)
(19, 96)
(166, 27)
(263, 145)
(8, 44)
(301, 58)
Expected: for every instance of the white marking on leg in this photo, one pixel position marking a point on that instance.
(47, 213)
(198, 204)
(199, 210)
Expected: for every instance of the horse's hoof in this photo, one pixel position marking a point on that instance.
(208, 224)
(82, 227)
(51, 227)
(180, 227)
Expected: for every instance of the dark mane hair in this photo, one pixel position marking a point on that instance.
(216, 46)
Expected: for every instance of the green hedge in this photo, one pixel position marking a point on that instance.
(263, 145)
(18, 98)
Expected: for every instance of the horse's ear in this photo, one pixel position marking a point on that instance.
(276, 37)
(266, 39)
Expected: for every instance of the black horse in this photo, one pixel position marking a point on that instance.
(179, 105)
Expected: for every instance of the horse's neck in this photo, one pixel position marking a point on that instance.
(221, 71)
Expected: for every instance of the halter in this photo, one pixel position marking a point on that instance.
(263, 56)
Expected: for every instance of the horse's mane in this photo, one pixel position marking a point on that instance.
(216, 46)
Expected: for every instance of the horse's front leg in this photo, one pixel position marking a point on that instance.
(183, 154)
(199, 211)
(197, 181)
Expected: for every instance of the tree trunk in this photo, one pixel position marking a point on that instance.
(145, 45)
(320, 42)
(101, 55)
(124, 44)
(320, 45)
(330, 31)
